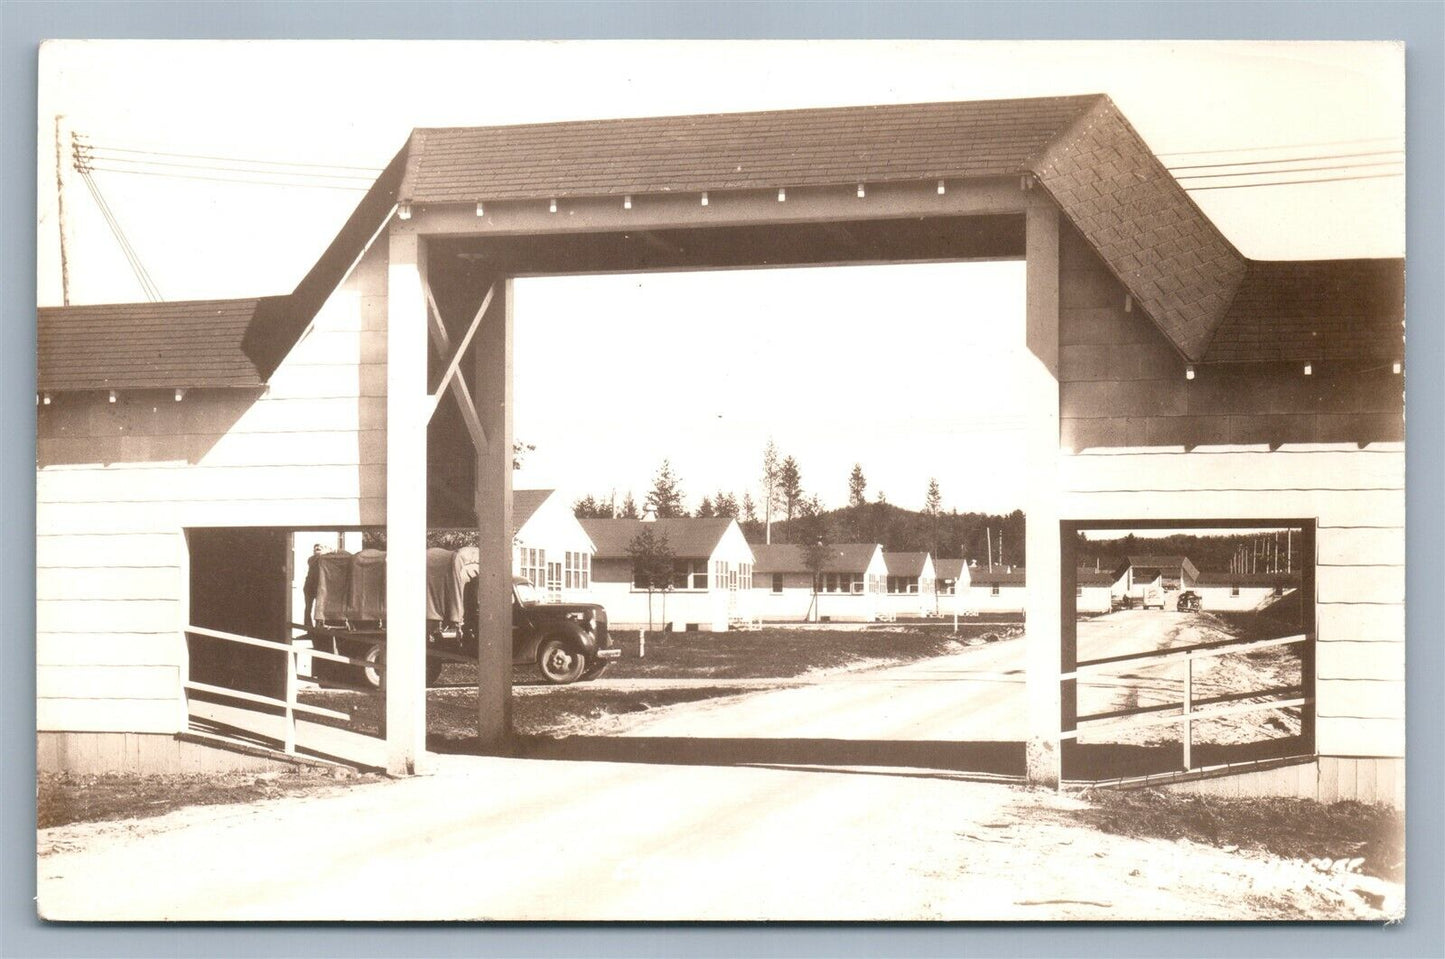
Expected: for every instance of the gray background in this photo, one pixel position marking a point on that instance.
(24, 24)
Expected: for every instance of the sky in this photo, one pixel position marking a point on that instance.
(906, 370)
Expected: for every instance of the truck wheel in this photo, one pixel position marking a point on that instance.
(593, 672)
(433, 670)
(375, 653)
(560, 662)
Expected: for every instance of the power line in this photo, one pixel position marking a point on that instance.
(241, 182)
(201, 156)
(1301, 169)
(142, 275)
(100, 156)
(1332, 156)
(1333, 179)
(1286, 146)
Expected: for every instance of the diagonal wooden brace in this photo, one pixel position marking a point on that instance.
(451, 380)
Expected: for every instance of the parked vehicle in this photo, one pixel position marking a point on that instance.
(346, 613)
(1188, 602)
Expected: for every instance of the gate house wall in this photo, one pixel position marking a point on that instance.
(118, 483)
(1272, 443)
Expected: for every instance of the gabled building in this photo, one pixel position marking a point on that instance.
(951, 583)
(1230, 591)
(910, 586)
(712, 573)
(1093, 591)
(850, 585)
(997, 590)
(550, 549)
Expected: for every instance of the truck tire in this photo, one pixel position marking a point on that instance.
(595, 671)
(560, 661)
(375, 653)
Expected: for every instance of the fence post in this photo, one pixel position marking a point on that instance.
(1188, 708)
(641, 644)
(290, 746)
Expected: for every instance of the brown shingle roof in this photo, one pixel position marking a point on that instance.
(526, 502)
(983, 576)
(1296, 311)
(788, 558)
(1137, 217)
(948, 568)
(195, 343)
(905, 564)
(734, 151)
(687, 537)
(1089, 577)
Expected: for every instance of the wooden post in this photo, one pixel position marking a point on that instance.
(406, 482)
(1042, 605)
(290, 744)
(1188, 733)
(494, 522)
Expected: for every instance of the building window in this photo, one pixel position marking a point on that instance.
(533, 566)
(1078, 591)
(993, 589)
(578, 573)
(777, 582)
(690, 574)
(747, 576)
(1234, 590)
(903, 584)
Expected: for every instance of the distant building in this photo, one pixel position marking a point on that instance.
(850, 586)
(550, 548)
(951, 582)
(910, 589)
(997, 590)
(1093, 591)
(712, 573)
(1243, 591)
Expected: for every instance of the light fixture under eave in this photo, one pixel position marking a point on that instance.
(861, 192)
(1309, 369)
(1189, 372)
(45, 398)
(1394, 368)
(112, 396)
(180, 395)
(403, 211)
(627, 202)
(704, 198)
(552, 205)
(782, 195)
(480, 210)
(941, 189)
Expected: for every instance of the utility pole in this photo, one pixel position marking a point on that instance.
(61, 225)
(988, 534)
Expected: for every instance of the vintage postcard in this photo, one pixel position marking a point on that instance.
(619, 481)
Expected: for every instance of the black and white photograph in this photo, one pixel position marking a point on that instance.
(720, 481)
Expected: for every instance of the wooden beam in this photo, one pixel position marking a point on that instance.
(441, 339)
(469, 412)
(1047, 646)
(461, 351)
(494, 522)
(407, 411)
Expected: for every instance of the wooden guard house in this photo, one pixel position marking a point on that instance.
(1172, 381)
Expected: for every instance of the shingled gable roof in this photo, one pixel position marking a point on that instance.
(525, 503)
(687, 537)
(201, 344)
(905, 564)
(789, 558)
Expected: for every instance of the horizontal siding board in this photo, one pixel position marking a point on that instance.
(1235, 470)
(1384, 508)
(1360, 698)
(1361, 661)
(331, 448)
(1359, 737)
(110, 649)
(1351, 546)
(1361, 623)
(119, 582)
(107, 682)
(197, 484)
(109, 715)
(79, 551)
(282, 414)
(316, 380)
(103, 518)
(1360, 584)
(121, 616)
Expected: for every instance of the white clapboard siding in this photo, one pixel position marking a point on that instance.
(1363, 469)
(91, 518)
(119, 582)
(1360, 584)
(1354, 546)
(107, 682)
(1359, 698)
(1361, 623)
(103, 715)
(329, 380)
(103, 648)
(322, 448)
(338, 348)
(1360, 661)
(77, 551)
(280, 414)
(119, 615)
(1337, 736)
(180, 483)
(1385, 508)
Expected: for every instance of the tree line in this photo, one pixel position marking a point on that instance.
(786, 512)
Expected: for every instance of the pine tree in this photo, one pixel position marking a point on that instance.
(705, 508)
(665, 498)
(629, 508)
(857, 486)
(750, 510)
(790, 486)
(725, 504)
(932, 508)
(770, 487)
